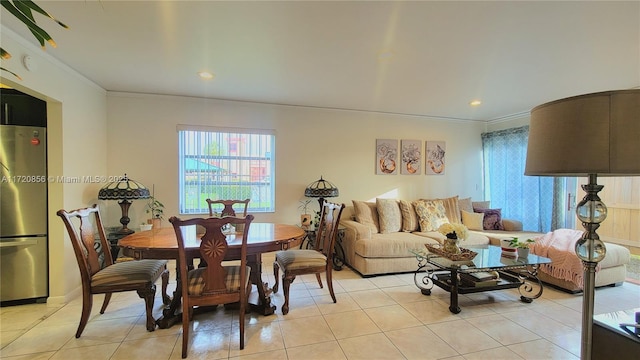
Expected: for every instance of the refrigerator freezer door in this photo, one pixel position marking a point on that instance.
(23, 180)
(23, 268)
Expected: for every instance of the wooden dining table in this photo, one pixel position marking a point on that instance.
(262, 237)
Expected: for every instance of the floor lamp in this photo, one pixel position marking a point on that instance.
(587, 135)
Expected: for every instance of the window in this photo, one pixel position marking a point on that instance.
(225, 163)
(539, 202)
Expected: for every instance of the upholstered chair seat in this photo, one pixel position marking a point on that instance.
(232, 280)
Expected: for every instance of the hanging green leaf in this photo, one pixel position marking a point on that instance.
(22, 10)
(11, 72)
(38, 9)
(41, 34)
(5, 55)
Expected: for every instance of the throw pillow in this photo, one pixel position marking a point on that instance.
(480, 204)
(472, 220)
(492, 219)
(452, 210)
(409, 217)
(431, 214)
(366, 214)
(465, 205)
(389, 215)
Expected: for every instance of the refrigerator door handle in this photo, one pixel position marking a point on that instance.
(18, 243)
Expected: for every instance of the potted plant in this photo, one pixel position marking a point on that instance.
(305, 217)
(522, 247)
(156, 209)
(145, 226)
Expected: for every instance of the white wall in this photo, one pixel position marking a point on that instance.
(310, 142)
(76, 115)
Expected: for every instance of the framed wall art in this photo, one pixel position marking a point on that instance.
(435, 157)
(386, 156)
(411, 151)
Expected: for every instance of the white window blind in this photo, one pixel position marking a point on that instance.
(225, 163)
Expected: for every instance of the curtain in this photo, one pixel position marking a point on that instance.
(529, 199)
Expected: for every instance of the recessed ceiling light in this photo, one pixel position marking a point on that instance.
(475, 102)
(205, 75)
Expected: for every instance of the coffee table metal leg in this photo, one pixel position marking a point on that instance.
(453, 302)
(531, 287)
(424, 283)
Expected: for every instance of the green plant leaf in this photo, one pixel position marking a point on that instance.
(4, 54)
(22, 10)
(38, 9)
(42, 35)
(11, 72)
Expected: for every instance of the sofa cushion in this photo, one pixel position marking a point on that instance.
(473, 238)
(366, 214)
(391, 245)
(480, 204)
(452, 210)
(472, 220)
(409, 216)
(431, 214)
(492, 218)
(389, 215)
(465, 204)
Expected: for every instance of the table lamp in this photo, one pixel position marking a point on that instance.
(587, 135)
(321, 189)
(124, 190)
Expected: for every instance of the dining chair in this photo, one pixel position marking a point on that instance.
(216, 283)
(228, 209)
(294, 262)
(98, 272)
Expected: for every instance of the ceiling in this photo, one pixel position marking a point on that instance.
(422, 58)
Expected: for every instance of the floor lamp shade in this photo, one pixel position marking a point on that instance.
(593, 134)
(588, 134)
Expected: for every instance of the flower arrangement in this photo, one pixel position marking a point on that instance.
(453, 231)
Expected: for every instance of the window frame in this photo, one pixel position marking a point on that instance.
(253, 167)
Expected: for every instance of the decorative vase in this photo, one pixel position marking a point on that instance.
(157, 223)
(451, 246)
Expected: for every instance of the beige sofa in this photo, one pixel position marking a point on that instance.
(371, 249)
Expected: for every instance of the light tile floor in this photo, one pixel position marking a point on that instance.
(383, 317)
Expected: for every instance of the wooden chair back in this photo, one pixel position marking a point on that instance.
(84, 226)
(228, 209)
(213, 249)
(328, 229)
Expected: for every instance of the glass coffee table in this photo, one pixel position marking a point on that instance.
(453, 276)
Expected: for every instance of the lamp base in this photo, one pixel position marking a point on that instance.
(124, 220)
(124, 231)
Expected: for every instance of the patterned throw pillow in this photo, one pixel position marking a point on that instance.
(409, 217)
(389, 216)
(431, 214)
(366, 214)
(472, 220)
(492, 218)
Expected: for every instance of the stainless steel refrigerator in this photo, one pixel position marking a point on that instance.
(23, 209)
